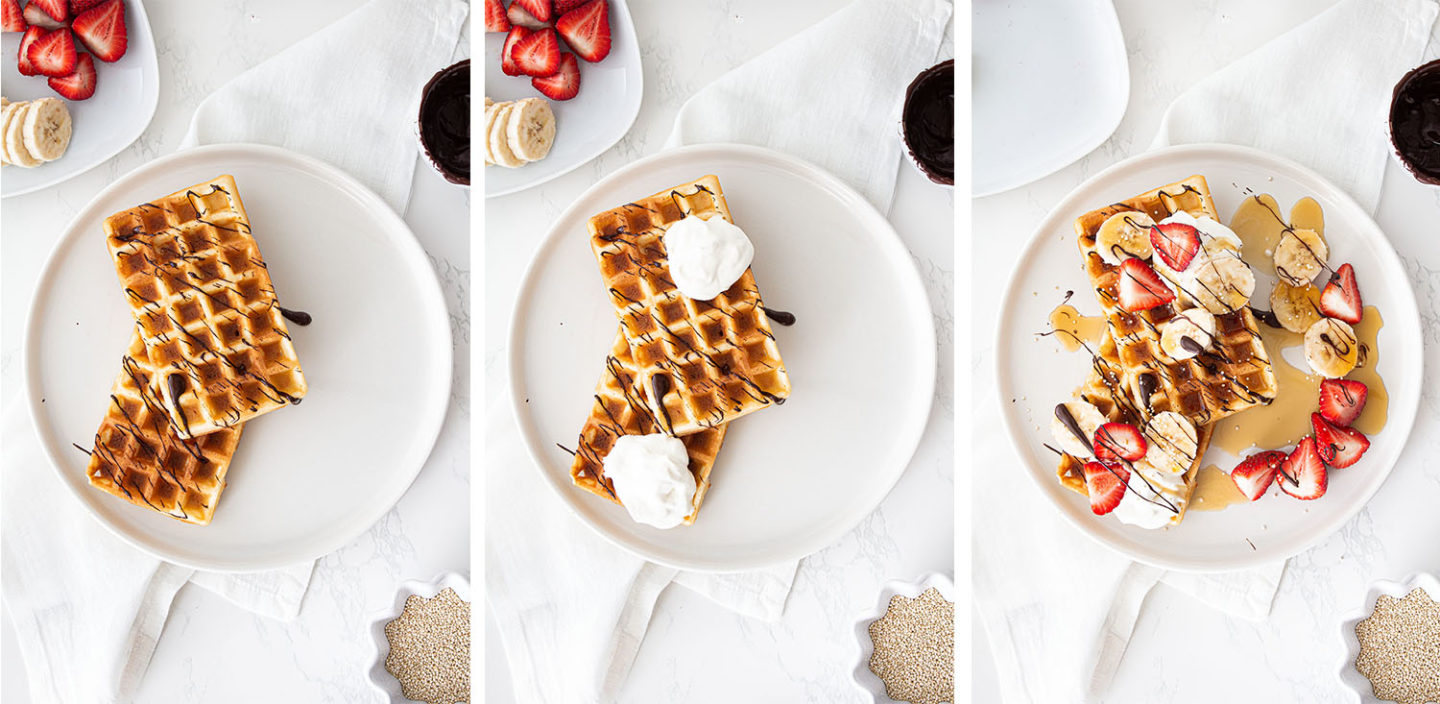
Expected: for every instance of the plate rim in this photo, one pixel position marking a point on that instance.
(1330, 192)
(888, 237)
(429, 427)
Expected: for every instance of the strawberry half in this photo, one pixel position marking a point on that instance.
(1302, 474)
(1337, 446)
(495, 19)
(565, 84)
(520, 17)
(1141, 288)
(1175, 243)
(1119, 441)
(11, 19)
(102, 30)
(1342, 400)
(53, 54)
(22, 62)
(58, 10)
(587, 30)
(1254, 475)
(1106, 485)
(36, 17)
(562, 7)
(507, 64)
(539, 9)
(1341, 297)
(537, 54)
(79, 6)
(80, 84)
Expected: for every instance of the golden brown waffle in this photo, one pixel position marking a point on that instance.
(1234, 375)
(705, 362)
(139, 457)
(201, 292)
(621, 409)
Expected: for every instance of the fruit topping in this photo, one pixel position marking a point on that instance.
(1175, 243)
(1302, 474)
(80, 84)
(1331, 348)
(54, 53)
(1106, 485)
(1341, 297)
(1141, 288)
(1296, 308)
(1254, 475)
(565, 84)
(1338, 446)
(1342, 400)
(587, 30)
(537, 54)
(1119, 441)
(102, 30)
(1300, 256)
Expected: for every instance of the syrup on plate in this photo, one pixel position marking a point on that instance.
(1214, 490)
(1075, 328)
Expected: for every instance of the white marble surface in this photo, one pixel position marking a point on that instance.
(696, 651)
(212, 651)
(1294, 655)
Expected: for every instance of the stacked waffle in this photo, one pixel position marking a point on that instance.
(679, 366)
(211, 350)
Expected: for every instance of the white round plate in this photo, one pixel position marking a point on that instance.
(307, 479)
(1033, 60)
(861, 357)
(586, 125)
(126, 93)
(1035, 373)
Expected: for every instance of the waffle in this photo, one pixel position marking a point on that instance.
(207, 311)
(1234, 376)
(621, 409)
(705, 363)
(139, 456)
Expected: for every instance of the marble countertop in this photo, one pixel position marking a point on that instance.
(212, 651)
(807, 655)
(1294, 655)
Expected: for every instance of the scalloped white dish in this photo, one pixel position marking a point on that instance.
(1357, 683)
(861, 675)
(380, 679)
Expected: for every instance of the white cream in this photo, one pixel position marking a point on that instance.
(651, 474)
(1148, 505)
(706, 256)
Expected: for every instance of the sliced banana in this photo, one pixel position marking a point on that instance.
(1123, 236)
(1222, 284)
(1172, 442)
(1300, 256)
(499, 146)
(490, 109)
(1087, 417)
(530, 129)
(1196, 325)
(14, 142)
(1331, 348)
(1296, 307)
(6, 111)
(46, 131)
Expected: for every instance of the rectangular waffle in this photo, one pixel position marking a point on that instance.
(705, 362)
(621, 409)
(139, 456)
(201, 292)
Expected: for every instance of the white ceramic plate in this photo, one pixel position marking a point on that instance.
(1033, 60)
(586, 125)
(1035, 373)
(126, 93)
(789, 479)
(307, 479)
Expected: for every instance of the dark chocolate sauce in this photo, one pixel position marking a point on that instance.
(1267, 317)
(1415, 122)
(299, 317)
(445, 122)
(780, 317)
(928, 122)
(659, 386)
(1067, 419)
(178, 383)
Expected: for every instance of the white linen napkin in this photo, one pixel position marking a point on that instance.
(1060, 611)
(571, 608)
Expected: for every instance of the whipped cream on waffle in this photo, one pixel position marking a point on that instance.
(1155, 495)
(651, 475)
(706, 255)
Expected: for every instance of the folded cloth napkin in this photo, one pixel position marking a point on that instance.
(88, 608)
(1059, 609)
(571, 608)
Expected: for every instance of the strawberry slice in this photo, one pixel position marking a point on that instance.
(11, 19)
(36, 17)
(565, 84)
(58, 10)
(102, 30)
(495, 19)
(54, 53)
(1106, 485)
(1302, 474)
(1342, 400)
(537, 54)
(1341, 297)
(507, 64)
(520, 17)
(1254, 475)
(539, 9)
(587, 30)
(80, 84)
(1119, 441)
(1338, 446)
(1141, 288)
(22, 62)
(562, 7)
(1176, 243)
(79, 6)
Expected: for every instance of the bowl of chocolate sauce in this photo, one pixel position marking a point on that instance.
(1415, 122)
(444, 122)
(927, 122)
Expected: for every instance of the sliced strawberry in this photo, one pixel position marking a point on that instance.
(11, 19)
(54, 53)
(1341, 297)
(1342, 400)
(1119, 440)
(102, 30)
(537, 54)
(22, 62)
(58, 10)
(1254, 475)
(520, 17)
(495, 19)
(1176, 243)
(1141, 288)
(1106, 485)
(79, 6)
(565, 84)
(539, 9)
(507, 64)
(1302, 474)
(587, 30)
(36, 17)
(564, 6)
(1338, 446)
(80, 84)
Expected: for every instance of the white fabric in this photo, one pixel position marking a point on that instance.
(571, 608)
(1060, 609)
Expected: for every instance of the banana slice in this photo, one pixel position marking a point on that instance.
(499, 147)
(530, 130)
(1189, 333)
(490, 110)
(1123, 236)
(47, 129)
(6, 111)
(1222, 284)
(14, 142)
(1331, 348)
(1172, 442)
(1296, 307)
(1300, 256)
(1087, 417)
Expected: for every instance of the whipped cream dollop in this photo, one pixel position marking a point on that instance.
(707, 255)
(651, 475)
(1157, 489)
